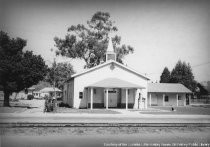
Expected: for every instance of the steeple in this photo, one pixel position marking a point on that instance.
(110, 54)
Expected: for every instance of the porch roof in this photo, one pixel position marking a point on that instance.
(115, 83)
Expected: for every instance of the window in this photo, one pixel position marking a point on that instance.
(179, 97)
(94, 91)
(166, 98)
(80, 95)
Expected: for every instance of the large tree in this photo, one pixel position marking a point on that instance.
(89, 42)
(59, 73)
(182, 73)
(165, 76)
(18, 70)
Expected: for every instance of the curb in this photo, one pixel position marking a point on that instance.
(17, 125)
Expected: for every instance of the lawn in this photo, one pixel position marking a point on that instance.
(15, 107)
(188, 110)
(22, 106)
(95, 111)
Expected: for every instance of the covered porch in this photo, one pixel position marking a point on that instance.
(115, 93)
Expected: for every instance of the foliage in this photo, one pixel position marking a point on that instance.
(182, 73)
(201, 91)
(59, 73)
(50, 104)
(62, 104)
(90, 42)
(41, 85)
(18, 70)
(165, 77)
(30, 97)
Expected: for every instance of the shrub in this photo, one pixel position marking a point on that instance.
(49, 104)
(30, 97)
(62, 104)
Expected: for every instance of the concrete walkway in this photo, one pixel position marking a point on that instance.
(125, 117)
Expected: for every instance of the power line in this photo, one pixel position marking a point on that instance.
(201, 64)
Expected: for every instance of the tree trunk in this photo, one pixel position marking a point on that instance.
(6, 99)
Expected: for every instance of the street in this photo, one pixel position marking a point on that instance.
(79, 137)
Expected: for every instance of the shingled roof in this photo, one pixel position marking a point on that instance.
(167, 87)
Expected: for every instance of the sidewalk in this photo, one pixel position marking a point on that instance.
(128, 117)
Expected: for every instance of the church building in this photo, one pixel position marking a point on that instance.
(108, 85)
(114, 85)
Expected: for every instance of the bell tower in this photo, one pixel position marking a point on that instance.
(110, 54)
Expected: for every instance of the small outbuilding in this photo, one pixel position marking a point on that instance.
(168, 94)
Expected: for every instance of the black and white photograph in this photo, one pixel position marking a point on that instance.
(104, 73)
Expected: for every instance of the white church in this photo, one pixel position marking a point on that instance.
(114, 85)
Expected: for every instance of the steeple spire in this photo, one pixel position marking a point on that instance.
(110, 54)
(110, 46)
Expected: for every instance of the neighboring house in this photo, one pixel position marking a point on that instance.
(48, 91)
(168, 94)
(108, 85)
(37, 94)
(22, 94)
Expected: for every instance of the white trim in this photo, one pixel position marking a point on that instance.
(106, 63)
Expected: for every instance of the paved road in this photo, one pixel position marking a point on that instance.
(188, 138)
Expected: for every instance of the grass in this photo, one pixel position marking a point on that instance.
(95, 111)
(15, 107)
(188, 110)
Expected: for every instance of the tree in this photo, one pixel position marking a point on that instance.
(90, 42)
(18, 70)
(182, 73)
(59, 73)
(165, 77)
(202, 90)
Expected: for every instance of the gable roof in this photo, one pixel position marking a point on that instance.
(168, 87)
(50, 89)
(115, 83)
(106, 63)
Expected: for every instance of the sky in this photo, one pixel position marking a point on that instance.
(161, 31)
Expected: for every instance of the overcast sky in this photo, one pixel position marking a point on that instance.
(161, 31)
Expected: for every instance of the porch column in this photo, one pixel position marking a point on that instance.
(163, 99)
(126, 99)
(91, 98)
(185, 100)
(190, 99)
(146, 103)
(150, 98)
(136, 99)
(177, 100)
(107, 96)
(140, 105)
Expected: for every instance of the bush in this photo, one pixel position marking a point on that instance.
(62, 104)
(30, 97)
(50, 104)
